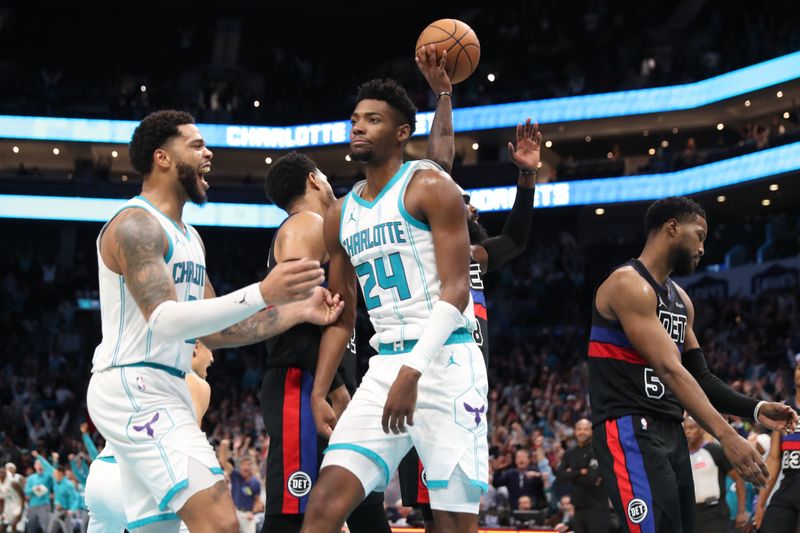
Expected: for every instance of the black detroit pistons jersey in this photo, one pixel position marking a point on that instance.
(790, 451)
(620, 381)
(481, 333)
(298, 346)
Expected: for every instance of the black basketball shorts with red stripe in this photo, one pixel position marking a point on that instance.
(647, 473)
(295, 449)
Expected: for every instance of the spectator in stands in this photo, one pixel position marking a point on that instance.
(524, 503)
(709, 470)
(524, 479)
(579, 468)
(562, 521)
(245, 486)
(38, 488)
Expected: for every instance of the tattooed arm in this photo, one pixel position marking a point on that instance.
(321, 308)
(133, 245)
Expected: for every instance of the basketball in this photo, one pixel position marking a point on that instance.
(461, 43)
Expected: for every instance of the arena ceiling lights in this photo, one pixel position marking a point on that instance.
(604, 191)
(587, 107)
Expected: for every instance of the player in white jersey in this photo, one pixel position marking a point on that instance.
(104, 493)
(402, 233)
(12, 501)
(155, 299)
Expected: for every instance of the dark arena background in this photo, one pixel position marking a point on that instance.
(636, 101)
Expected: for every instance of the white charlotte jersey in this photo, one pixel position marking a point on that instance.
(127, 338)
(394, 259)
(8, 494)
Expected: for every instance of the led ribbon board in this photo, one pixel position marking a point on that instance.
(649, 186)
(101, 209)
(561, 194)
(587, 107)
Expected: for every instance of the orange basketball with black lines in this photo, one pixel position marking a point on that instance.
(461, 43)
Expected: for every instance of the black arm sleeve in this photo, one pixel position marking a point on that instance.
(723, 398)
(512, 241)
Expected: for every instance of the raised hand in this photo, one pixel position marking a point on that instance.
(291, 281)
(433, 69)
(526, 154)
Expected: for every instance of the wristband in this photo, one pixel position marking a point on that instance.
(444, 93)
(755, 411)
(444, 319)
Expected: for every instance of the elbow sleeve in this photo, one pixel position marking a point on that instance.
(722, 397)
(176, 321)
(514, 238)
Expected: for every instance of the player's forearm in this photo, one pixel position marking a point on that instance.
(441, 142)
(174, 321)
(456, 293)
(741, 492)
(516, 231)
(331, 350)
(722, 397)
(693, 399)
(258, 327)
(773, 466)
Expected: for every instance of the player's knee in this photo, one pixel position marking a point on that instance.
(227, 523)
(326, 502)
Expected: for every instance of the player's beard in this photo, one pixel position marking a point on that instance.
(187, 176)
(477, 233)
(683, 262)
(363, 156)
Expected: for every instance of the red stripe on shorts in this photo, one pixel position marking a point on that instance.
(620, 470)
(291, 436)
(423, 496)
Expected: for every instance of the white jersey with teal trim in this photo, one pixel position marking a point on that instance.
(394, 259)
(127, 338)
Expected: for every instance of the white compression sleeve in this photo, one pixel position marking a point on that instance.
(175, 321)
(444, 319)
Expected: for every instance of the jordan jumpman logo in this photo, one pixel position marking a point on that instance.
(452, 361)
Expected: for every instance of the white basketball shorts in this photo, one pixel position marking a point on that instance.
(146, 414)
(449, 431)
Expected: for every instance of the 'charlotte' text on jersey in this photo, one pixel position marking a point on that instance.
(377, 235)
